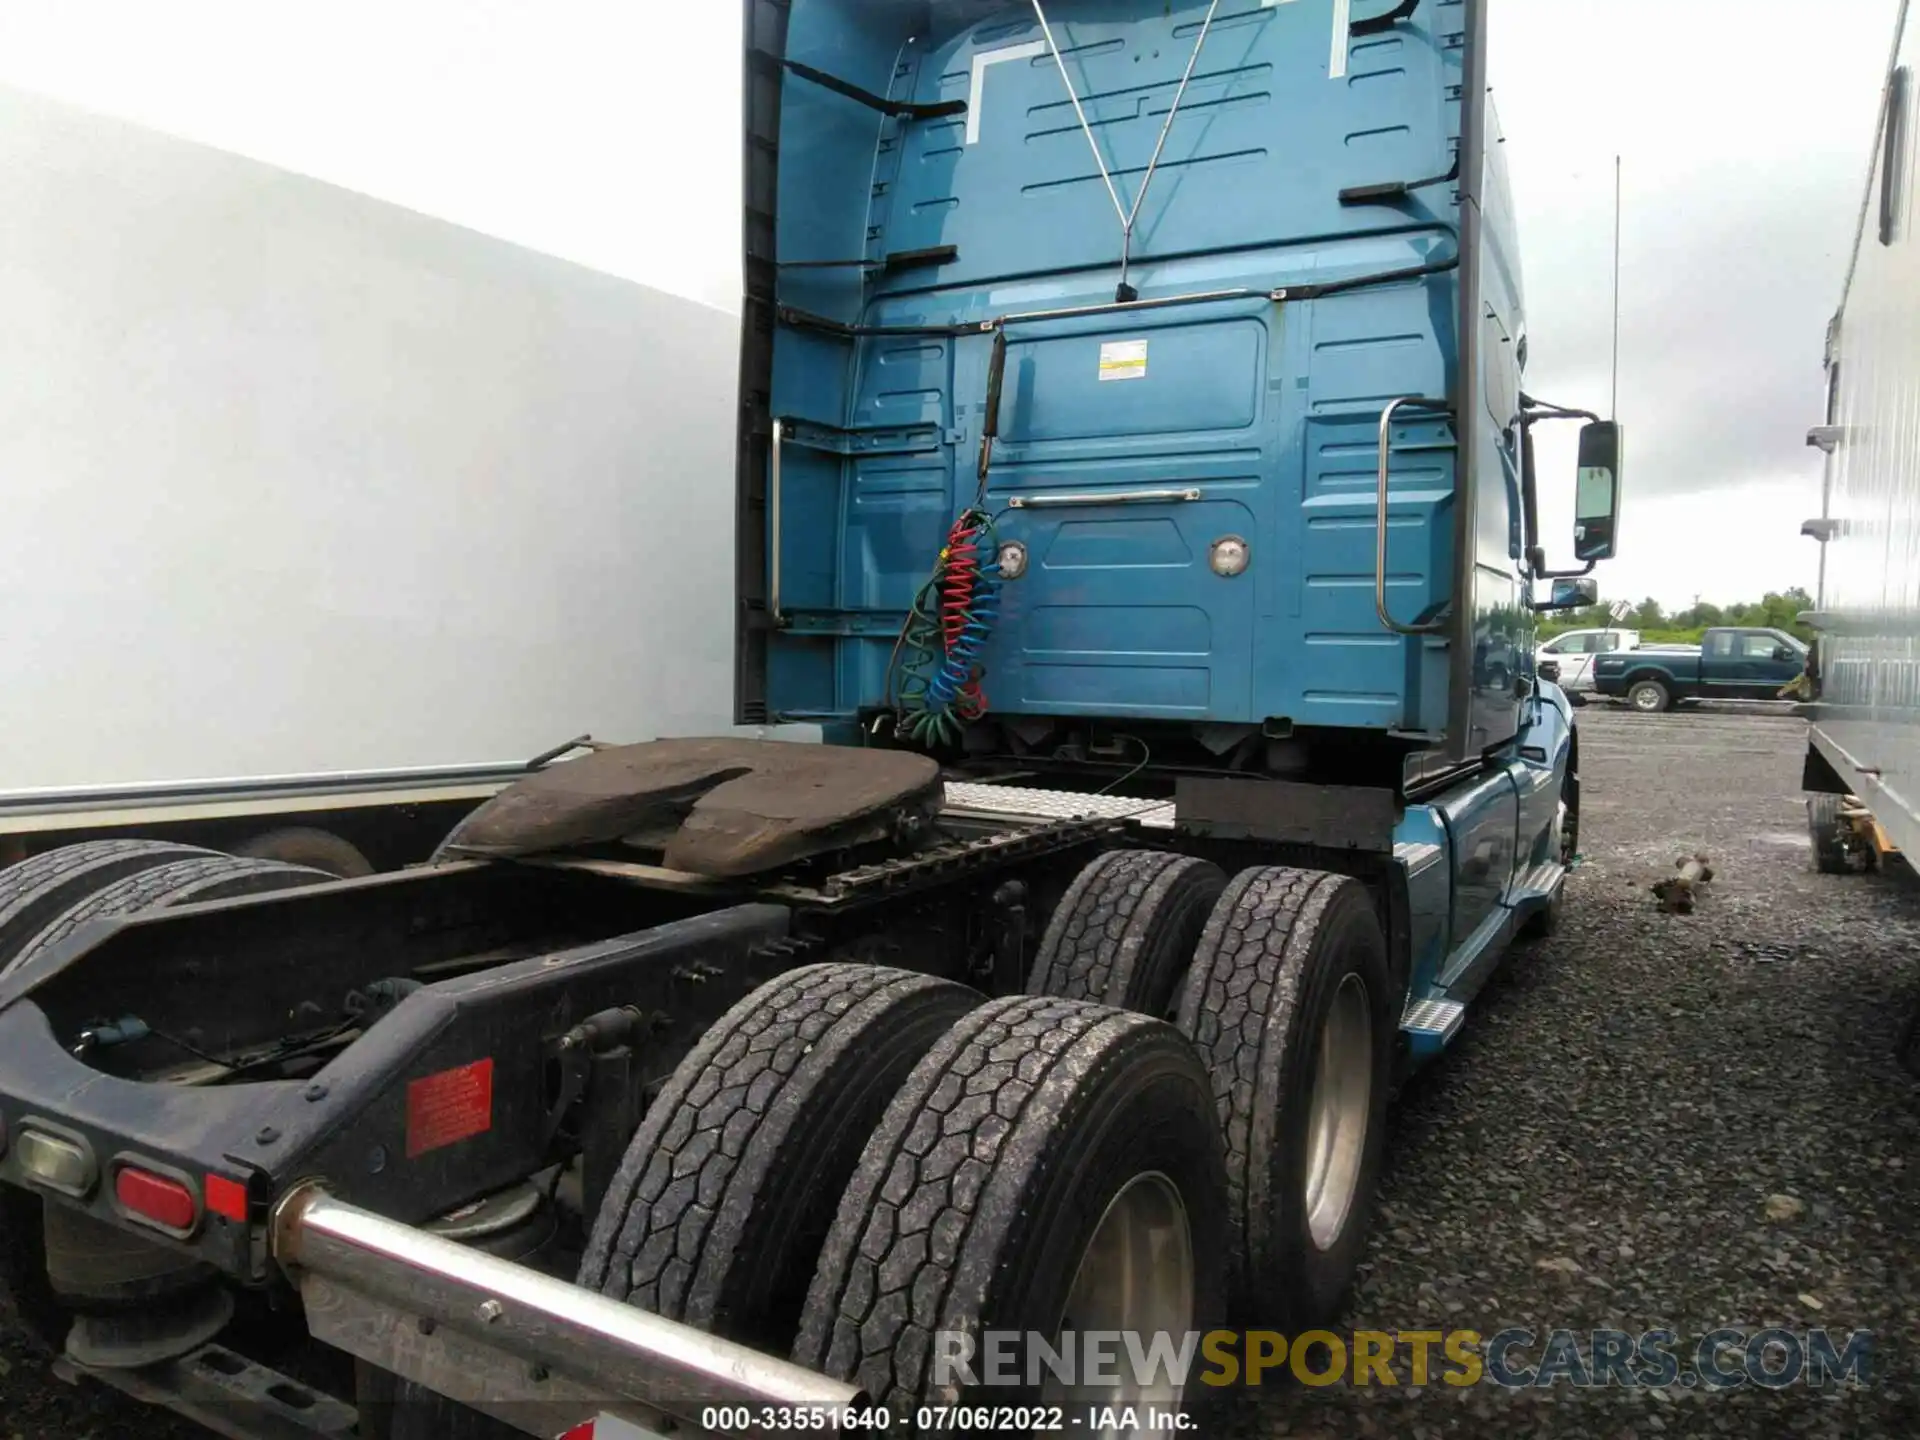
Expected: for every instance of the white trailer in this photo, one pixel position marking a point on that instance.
(319, 512)
(1863, 756)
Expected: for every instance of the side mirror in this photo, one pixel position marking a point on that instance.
(1570, 595)
(1596, 498)
(1784, 652)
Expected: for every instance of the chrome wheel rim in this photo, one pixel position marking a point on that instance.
(1341, 1109)
(1646, 700)
(1136, 1274)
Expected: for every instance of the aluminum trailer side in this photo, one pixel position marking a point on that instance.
(320, 511)
(1864, 737)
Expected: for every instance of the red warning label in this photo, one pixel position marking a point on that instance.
(451, 1106)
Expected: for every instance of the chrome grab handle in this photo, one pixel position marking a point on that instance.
(773, 508)
(1095, 497)
(1433, 627)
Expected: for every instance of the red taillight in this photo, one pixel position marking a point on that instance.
(167, 1203)
(227, 1197)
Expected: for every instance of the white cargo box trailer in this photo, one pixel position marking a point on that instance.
(320, 512)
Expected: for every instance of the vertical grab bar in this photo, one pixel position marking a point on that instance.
(1432, 627)
(773, 509)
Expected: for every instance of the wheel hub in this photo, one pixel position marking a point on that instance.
(1340, 1110)
(1136, 1274)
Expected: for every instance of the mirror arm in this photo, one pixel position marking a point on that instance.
(1579, 574)
(1544, 410)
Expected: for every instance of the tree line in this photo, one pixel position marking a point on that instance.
(1777, 610)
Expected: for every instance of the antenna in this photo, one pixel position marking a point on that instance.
(1614, 410)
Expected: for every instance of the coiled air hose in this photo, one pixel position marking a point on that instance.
(952, 618)
(941, 685)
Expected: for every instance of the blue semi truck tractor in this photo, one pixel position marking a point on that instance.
(1135, 487)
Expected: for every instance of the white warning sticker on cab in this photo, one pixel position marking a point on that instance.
(1123, 360)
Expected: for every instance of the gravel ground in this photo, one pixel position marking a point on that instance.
(1599, 1149)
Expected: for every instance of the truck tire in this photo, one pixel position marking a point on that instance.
(1124, 933)
(1823, 830)
(314, 848)
(1042, 1146)
(1290, 1006)
(722, 1202)
(1649, 697)
(1546, 921)
(29, 1309)
(176, 882)
(34, 892)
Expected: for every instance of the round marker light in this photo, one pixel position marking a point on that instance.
(1230, 556)
(1012, 560)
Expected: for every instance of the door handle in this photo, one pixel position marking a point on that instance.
(773, 512)
(1106, 497)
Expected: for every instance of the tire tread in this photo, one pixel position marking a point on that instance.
(1240, 977)
(36, 891)
(175, 882)
(912, 1251)
(1097, 939)
(674, 1216)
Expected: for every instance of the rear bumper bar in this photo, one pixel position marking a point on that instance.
(533, 1351)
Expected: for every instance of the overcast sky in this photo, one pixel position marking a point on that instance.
(583, 127)
(1745, 128)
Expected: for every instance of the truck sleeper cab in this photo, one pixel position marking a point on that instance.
(1173, 435)
(1162, 578)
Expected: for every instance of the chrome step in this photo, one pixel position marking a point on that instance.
(1433, 1022)
(1538, 883)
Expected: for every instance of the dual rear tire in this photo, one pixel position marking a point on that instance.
(858, 1162)
(1280, 982)
(993, 1166)
(855, 1162)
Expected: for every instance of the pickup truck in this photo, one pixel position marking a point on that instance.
(1574, 651)
(1729, 664)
